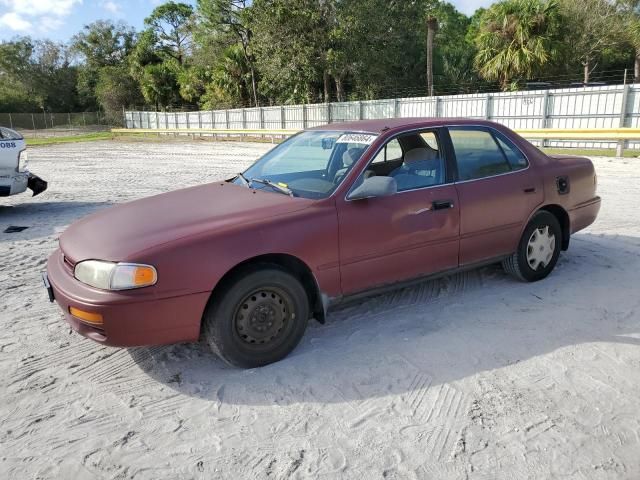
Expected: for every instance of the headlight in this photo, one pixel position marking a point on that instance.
(23, 160)
(115, 276)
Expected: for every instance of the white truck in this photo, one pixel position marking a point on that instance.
(14, 176)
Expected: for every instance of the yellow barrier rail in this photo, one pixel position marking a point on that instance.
(207, 131)
(619, 135)
(592, 134)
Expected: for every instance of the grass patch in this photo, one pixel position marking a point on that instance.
(590, 152)
(86, 137)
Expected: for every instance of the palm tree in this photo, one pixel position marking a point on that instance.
(432, 28)
(515, 39)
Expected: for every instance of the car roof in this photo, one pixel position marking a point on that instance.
(384, 124)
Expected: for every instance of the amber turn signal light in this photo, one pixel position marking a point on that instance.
(88, 317)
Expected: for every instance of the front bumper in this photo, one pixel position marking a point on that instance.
(130, 318)
(13, 184)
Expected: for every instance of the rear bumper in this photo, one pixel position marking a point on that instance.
(128, 319)
(584, 214)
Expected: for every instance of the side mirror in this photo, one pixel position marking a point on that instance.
(375, 187)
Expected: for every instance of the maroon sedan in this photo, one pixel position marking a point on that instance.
(333, 212)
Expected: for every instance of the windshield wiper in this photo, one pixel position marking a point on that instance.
(244, 180)
(275, 186)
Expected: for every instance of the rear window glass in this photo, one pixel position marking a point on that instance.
(477, 153)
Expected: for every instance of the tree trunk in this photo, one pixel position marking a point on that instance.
(339, 89)
(432, 27)
(586, 64)
(254, 87)
(636, 67)
(326, 86)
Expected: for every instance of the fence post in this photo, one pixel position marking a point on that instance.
(226, 119)
(546, 108)
(437, 107)
(84, 120)
(213, 124)
(33, 122)
(360, 115)
(10, 122)
(304, 116)
(175, 121)
(623, 119)
(488, 107)
(69, 118)
(329, 113)
(396, 108)
(283, 121)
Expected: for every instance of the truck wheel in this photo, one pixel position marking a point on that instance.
(538, 250)
(258, 318)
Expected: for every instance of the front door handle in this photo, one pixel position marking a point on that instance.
(530, 190)
(442, 204)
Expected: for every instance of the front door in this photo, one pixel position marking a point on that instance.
(406, 235)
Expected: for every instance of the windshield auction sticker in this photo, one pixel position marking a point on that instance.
(361, 138)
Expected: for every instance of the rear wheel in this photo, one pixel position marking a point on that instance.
(538, 250)
(258, 318)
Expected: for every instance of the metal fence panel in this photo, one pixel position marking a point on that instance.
(593, 107)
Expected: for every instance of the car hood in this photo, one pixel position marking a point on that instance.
(119, 233)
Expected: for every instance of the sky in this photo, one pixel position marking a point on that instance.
(59, 20)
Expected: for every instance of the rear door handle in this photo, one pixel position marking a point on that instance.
(530, 190)
(442, 204)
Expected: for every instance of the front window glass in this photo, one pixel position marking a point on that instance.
(418, 162)
(310, 165)
(392, 151)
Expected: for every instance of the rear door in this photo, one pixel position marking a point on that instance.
(497, 190)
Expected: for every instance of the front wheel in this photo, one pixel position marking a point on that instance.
(258, 318)
(538, 250)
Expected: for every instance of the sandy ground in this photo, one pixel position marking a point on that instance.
(472, 376)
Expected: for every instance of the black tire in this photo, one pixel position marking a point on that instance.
(257, 318)
(518, 264)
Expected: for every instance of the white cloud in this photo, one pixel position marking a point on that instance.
(14, 21)
(111, 7)
(30, 16)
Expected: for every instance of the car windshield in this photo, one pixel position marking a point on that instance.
(310, 165)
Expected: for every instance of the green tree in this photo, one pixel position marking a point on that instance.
(42, 71)
(591, 27)
(516, 39)
(100, 44)
(116, 89)
(226, 23)
(630, 15)
(290, 44)
(172, 24)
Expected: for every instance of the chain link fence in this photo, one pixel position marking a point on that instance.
(56, 124)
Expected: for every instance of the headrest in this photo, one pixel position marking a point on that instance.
(351, 156)
(420, 154)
